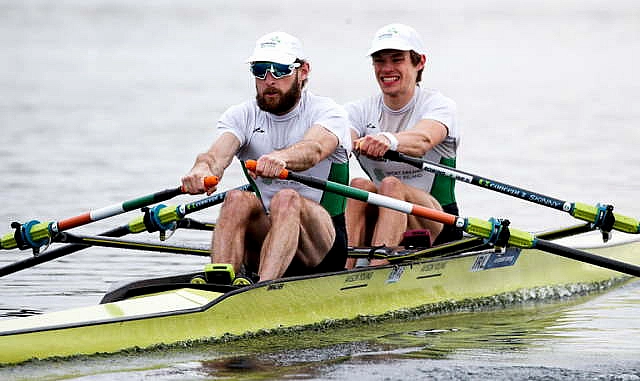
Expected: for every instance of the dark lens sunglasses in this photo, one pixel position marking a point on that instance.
(260, 69)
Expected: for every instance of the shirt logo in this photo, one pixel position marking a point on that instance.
(371, 125)
(258, 129)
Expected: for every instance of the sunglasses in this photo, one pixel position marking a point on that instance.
(260, 69)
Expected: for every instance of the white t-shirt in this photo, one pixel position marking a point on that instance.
(261, 132)
(371, 116)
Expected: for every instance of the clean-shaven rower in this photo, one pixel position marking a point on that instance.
(410, 119)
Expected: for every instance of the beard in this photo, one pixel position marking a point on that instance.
(283, 103)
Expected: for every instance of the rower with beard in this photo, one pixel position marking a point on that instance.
(284, 228)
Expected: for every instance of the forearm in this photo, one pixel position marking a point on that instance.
(420, 139)
(414, 143)
(211, 162)
(302, 155)
(317, 144)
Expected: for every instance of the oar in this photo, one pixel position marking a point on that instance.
(398, 254)
(601, 216)
(131, 244)
(162, 218)
(34, 234)
(135, 226)
(58, 252)
(493, 230)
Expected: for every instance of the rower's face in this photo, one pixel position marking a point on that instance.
(394, 71)
(280, 95)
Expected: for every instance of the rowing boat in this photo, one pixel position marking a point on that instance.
(494, 263)
(172, 309)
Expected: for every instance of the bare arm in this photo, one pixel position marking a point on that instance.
(354, 139)
(318, 143)
(415, 141)
(425, 135)
(211, 163)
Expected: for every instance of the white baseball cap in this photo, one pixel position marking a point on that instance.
(279, 47)
(398, 37)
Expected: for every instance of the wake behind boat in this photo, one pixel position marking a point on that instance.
(172, 310)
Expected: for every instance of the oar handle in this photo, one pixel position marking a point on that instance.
(252, 165)
(209, 182)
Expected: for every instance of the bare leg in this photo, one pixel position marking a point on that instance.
(239, 210)
(358, 216)
(392, 224)
(299, 228)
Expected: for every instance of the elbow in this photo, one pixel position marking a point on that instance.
(316, 152)
(314, 155)
(420, 148)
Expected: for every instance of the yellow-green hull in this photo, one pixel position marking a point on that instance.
(190, 314)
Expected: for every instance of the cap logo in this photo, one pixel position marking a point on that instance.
(275, 40)
(388, 34)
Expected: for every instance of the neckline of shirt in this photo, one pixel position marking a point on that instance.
(404, 108)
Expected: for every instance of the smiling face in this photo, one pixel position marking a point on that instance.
(396, 75)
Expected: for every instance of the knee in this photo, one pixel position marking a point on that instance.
(287, 201)
(237, 202)
(391, 186)
(364, 184)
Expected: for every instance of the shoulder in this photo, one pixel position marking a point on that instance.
(240, 117)
(435, 99)
(364, 105)
(319, 106)
(248, 106)
(240, 113)
(319, 101)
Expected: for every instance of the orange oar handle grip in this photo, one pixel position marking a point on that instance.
(252, 164)
(209, 181)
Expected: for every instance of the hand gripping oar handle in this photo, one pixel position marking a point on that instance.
(209, 182)
(601, 216)
(34, 234)
(493, 230)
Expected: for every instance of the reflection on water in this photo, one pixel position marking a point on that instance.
(9, 313)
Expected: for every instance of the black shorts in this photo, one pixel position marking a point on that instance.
(449, 233)
(335, 258)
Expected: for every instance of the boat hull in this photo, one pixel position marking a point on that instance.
(190, 313)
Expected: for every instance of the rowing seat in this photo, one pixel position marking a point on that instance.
(417, 238)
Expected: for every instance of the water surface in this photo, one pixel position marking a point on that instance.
(105, 100)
